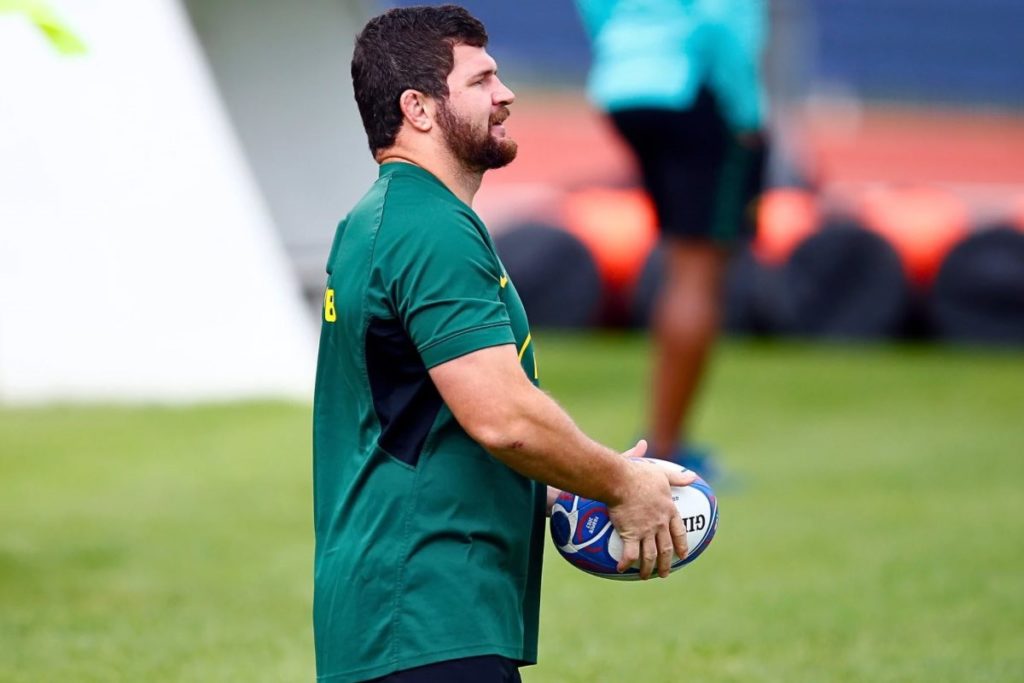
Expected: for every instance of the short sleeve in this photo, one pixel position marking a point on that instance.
(443, 283)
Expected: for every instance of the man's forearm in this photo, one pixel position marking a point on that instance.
(542, 442)
(523, 427)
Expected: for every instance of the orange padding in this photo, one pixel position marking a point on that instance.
(619, 227)
(785, 218)
(1017, 213)
(922, 223)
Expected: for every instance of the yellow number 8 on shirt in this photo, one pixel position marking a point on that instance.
(330, 313)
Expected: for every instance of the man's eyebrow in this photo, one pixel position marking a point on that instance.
(489, 71)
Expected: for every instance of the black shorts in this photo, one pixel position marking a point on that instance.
(485, 669)
(703, 182)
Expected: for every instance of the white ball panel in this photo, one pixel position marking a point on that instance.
(695, 511)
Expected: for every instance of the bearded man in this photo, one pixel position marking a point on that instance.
(433, 446)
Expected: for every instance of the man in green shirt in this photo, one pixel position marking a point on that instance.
(432, 444)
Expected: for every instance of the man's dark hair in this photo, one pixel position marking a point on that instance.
(406, 48)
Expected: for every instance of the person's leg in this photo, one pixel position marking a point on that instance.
(681, 160)
(699, 238)
(684, 324)
(697, 177)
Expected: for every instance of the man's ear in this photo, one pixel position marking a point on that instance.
(417, 109)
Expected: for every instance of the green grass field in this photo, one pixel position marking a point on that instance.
(874, 530)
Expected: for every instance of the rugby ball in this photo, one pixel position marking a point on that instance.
(583, 533)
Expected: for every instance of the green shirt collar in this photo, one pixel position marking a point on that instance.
(400, 168)
(403, 168)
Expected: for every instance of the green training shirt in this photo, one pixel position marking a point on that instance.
(427, 547)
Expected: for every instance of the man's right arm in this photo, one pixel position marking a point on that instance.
(491, 397)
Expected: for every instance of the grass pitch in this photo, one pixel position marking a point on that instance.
(873, 530)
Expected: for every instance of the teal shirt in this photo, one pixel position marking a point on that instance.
(427, 547)
(658, 53)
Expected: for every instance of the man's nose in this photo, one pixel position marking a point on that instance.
(503, 95)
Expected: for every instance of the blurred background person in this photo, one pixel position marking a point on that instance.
(680, 80)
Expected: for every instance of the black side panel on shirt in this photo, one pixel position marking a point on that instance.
(404, 397)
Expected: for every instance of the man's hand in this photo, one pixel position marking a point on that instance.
(646, 518)
(553, 495)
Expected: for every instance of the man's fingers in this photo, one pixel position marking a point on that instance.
(638, 450)
(648, 556)
(676, 476)
(665, 546)
(630, 553)
(681, 477)
(678, 532)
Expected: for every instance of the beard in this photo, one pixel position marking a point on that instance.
(477, 151)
